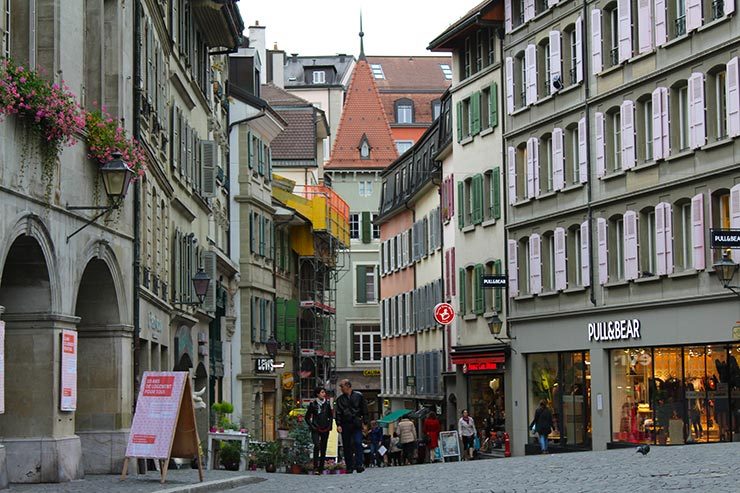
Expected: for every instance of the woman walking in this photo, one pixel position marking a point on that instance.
(319, 418)
(431, 428)
(407, 439)
(466, 427)
(542, 424)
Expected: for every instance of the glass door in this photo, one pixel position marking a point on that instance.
(718, 398)
(732, 364)
(667, 395)
(576, 410)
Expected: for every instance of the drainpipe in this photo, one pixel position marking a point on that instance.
(137, 199)
(504, 191)
(589, 175)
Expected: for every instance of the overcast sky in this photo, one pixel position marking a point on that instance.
(328, 27)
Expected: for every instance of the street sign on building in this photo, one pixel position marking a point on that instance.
(444, 314)
(497, 281)
(725, 238)
(264, 365)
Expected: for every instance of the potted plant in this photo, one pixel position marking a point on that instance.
(270, 456)
(299, 453)
(230, 454)
(222, 410)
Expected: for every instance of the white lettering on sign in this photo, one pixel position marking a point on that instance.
(614, 330)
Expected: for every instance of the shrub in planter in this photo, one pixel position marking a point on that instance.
(270, 456)
(230, 454)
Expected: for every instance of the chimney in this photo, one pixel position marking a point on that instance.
(257, 41)
(294, 57)
(278, 68)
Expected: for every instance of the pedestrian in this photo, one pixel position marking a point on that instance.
(376, 440)
(542, 424)
(350, 414)
(319, 416)
(431, 428)
(466, 427)
(407, 439)
(395, 450)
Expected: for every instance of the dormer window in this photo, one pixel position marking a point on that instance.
(319, 77)
(364, 148)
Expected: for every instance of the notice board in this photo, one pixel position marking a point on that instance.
(68, 395)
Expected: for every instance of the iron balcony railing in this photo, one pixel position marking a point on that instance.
(718, 9)
(681, 26)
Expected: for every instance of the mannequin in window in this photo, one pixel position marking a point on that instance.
(721, 403)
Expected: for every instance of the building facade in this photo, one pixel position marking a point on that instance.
(622, 125)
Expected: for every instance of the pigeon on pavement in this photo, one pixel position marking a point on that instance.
(643, 449)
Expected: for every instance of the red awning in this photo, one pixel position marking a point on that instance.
(467, 359)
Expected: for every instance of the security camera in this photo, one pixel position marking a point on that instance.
(557, 82)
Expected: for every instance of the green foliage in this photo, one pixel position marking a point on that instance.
(222, 410)
(230, 454)
(300, 452)
(269, 453)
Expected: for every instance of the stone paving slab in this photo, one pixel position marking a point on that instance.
(690, 468)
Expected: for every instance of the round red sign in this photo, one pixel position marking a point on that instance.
(444, 314)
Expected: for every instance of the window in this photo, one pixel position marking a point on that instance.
(319, 77)
(364, 149)
(523, 264)
(466, 118)
(546, 163)
(366, 188)
(680, 25)
(720, 216)
(522, 83)
(572, 166)
(6, 31)
(544, 68)
(648, 238)
(365, 343)
(479, 48)
(485, 108)
(573, 256)
(377, 70)
(683, 116)
(403, 146)
(446, 71)
(720, 103)
(616, 245)
(366, 284)
(612, 35)
(612, 134)
(404, 111)
(467, 56)
(548, 262)
(492, 194)
(376, 227)
(647, 128)
(573, 58)
(354, 226)
(436, 109)
(521, 170)
(684, 255)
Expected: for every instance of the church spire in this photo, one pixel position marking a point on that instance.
(362, 43)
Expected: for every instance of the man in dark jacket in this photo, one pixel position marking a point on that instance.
(351, 413)
(319, 419)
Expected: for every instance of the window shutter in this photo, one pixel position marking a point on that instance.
(493, 105)
(624, 29)
(453, 286)
(447, 274)
(459, 121)
(660, 242)
(668, 235)
(556, 69)
(452, 195)
(366, 226)
(602, 245)
(550, 3)
(528, 10)
(596, 63)
(697, 133)
(661, 24)
(530, 169)
(530, 60)
(644, 25)
(630, 245)
(732, 91)
(509, 85)
(579, 49)
(511, 163)
(535, 264)
(496, 178)
(665, 122)
(729, 7)
(697, 232)
(582, 154)
(478, 290)
(585, 255)
(408, 312)
(209, 266)
(657, 125)
(558, 175)
(600, 150)
(460, 205)
(735, 211)
(507, 15)
(536, 165)
(475, 112)
(208, 150)
(627, 117)
(477, 188)
(513, 270)
(693, 15)
(560, 275)
(461, 291)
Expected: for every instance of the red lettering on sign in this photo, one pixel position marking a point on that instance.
(146, 439)
(159, 386)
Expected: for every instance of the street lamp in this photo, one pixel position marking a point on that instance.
(272, 347)
(201, 281)
(726, 269)
(495, 325)
(117, 176)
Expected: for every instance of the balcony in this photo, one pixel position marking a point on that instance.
(219, 22)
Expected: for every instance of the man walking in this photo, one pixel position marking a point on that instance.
(351, 413)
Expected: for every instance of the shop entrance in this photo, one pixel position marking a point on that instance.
(487, 402)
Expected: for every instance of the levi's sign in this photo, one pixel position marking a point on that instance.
(614, 330)
(724, 238)
(493, 281)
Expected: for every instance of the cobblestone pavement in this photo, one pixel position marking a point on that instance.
(699, 468)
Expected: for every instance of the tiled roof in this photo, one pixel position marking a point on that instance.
(412, 72)
(362, 115)
(295, 67)
(277, 96)
(298, 140)
(422, 105)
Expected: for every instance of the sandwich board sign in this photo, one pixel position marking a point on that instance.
(164, 422)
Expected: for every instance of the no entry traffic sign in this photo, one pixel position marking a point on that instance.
(444, 314)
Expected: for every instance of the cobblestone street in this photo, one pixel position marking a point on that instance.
(700, 468)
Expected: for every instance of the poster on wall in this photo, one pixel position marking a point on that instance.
(68, 396)
(449, 444)
(2, 367)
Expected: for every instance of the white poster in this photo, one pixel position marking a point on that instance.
(68, 397)
(2, 367)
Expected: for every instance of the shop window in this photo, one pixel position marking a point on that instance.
(487, 402)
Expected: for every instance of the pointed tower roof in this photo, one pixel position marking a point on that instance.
(363, 122)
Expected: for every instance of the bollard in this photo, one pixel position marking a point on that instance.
(507, 445)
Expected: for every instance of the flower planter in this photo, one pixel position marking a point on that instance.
(270, 468)
(296, 469)
(282, 434)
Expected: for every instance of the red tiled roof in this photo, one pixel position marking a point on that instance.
(422, 105)
(362, 115)
(412, 72)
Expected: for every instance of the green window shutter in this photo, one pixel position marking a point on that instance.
(291, 321)
(477, 189)
(475, 113)
(250, 151)
(360, 277)
(280, 319)
(461, 293)
(460, 205)
(478, 290)
(459, 121)
(493, 98)
(367, 227)
(496, 192)
(498, 294)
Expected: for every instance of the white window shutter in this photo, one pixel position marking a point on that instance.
(558, 175)
(697, 232)
(665, 121)
(582, 151)
(693, 15)
(530, 169)
(511, 164)
(509, 85)
(624, 29)
(657, 125)
(550, 3)
(507, 16)
(535, 264)
(661, 24)
(630, 245)
(627, 118)
(600, 143)
(660, 267)
(585, 255)
(208, 152)
(556, 61)
(732, 91)
(560, 276)
(729, 7)
(579, 49)
(536, 165)
(668, 235)
(596, 48)
(697, 131)
(530, 60)
(603, 250)
(735, 207)
(528, 10)
(513, 269)
(645, 25)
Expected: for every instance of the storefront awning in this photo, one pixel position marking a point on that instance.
(471, 359)
(393, 416)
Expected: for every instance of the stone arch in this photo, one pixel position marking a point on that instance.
(101, 250)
